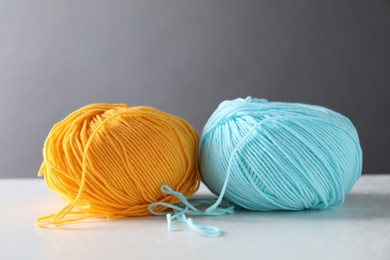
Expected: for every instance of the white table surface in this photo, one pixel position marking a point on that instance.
(360, 229)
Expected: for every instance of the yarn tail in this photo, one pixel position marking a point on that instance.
(57, 219)
(66, 214)
(189, 207)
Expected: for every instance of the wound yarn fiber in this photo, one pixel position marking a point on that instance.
(266, 156)
(110, 161)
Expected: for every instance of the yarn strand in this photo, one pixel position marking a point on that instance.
(189, 207)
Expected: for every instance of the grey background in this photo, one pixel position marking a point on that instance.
(185, 57)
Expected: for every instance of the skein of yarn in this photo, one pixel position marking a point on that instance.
(110, 160)
(266, 156)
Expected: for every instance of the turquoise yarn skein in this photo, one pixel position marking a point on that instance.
(265, 156)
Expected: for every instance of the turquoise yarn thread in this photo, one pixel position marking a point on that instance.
(266, 156)
(189, 207)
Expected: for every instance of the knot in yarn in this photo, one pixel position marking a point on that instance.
(265, 156)
(110, 160)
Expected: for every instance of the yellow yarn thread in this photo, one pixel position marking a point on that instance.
(110, 160)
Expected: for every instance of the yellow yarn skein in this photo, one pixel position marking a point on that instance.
(110, 160)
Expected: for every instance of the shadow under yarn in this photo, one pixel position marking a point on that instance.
(358, 206)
